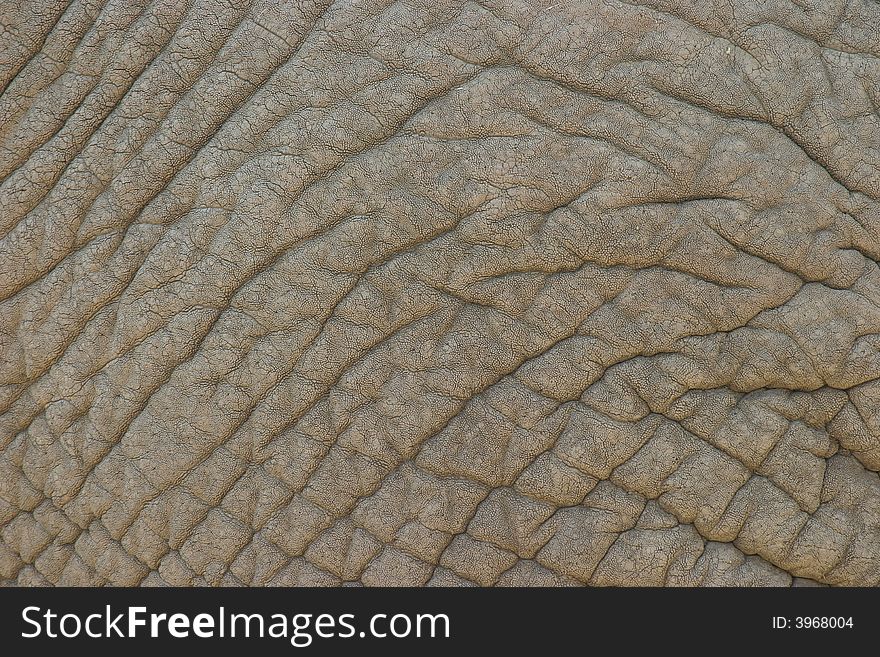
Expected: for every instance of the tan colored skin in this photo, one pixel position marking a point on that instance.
(437, 292)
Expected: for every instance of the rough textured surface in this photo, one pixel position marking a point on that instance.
(439, 292)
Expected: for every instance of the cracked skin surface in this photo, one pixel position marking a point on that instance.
(439, 292)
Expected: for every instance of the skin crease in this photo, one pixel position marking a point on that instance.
(444, 293)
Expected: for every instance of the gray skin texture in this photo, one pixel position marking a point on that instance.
(439, 292)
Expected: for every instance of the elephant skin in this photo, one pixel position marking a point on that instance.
(440, 292)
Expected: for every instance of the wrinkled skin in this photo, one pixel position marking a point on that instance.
(440, 292)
